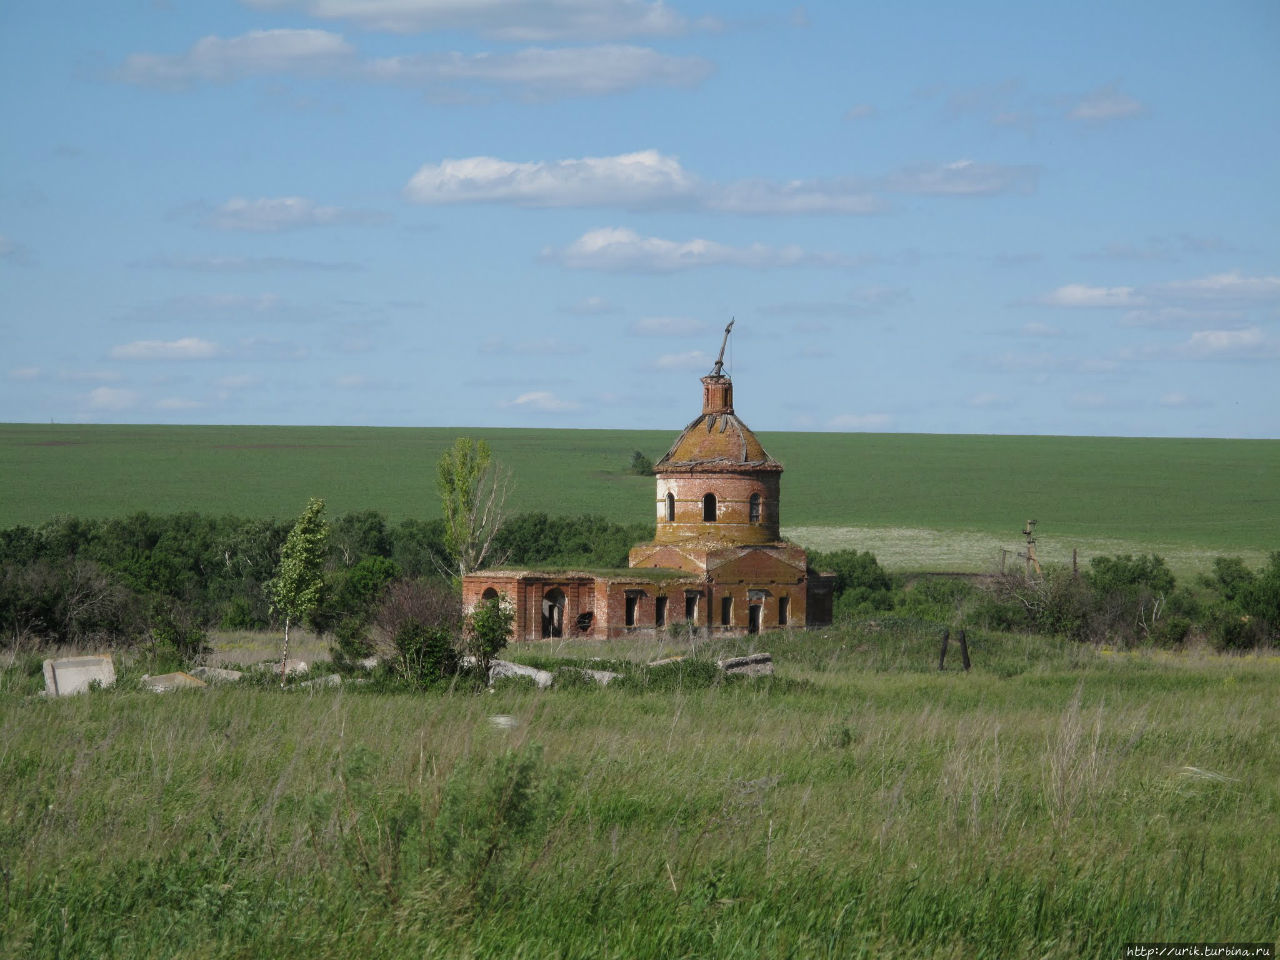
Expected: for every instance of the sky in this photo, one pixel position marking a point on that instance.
(1010, 218)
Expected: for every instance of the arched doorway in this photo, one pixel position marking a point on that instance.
(553, 614)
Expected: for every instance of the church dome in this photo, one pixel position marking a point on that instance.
(717, 441)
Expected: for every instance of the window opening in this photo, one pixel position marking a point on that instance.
(726, 611)
(553, 614)
(660, 612)
(632, 603)
(671, 507)
(784, 610)
(753, 618)
(755, 508)
(709, 508)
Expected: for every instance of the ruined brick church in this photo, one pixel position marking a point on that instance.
(718, 562)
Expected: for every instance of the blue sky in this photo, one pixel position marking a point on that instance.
(953, 218)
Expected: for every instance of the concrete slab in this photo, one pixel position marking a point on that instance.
(754, 665)
(320, 683)
(167, 682)
(504, 668)
(64, 677)
(216, 674)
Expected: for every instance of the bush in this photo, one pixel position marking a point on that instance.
(431, 603)
(425, 655)
(488, 630)
(641, 465)
(862, 587)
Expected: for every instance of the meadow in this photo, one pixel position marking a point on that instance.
(918, 501)
(1056, 801)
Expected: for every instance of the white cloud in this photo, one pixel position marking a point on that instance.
(1079, 295)
(1179, 400)
(112, 398)
(222, 59)
(859, 421)
(24, 373)
(860, 111)
(689, 360)
(1227, 287)
(180, 403)
(965, 178)
(1040, 330)
(796, 196)
(272, 214)
(539, 73)
(646, 178)
(542, 401)
(1105, 103)
(622, 250)
(187, 348)
(352, 381)
(523, 20)
(666, 327)
(1216, 343)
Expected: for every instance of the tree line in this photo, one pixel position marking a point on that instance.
(75, 580)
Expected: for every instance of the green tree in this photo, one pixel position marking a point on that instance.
(473, 493)
(641, 465)
(298, 584)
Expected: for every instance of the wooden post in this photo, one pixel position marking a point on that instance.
(942, 655)
(1075, 565)
(964, 650)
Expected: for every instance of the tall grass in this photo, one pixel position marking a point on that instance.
(1052, 802)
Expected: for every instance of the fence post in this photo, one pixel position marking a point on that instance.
(964, 650)
(942, 656)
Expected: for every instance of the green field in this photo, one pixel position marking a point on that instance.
(919, 501)
(1056, 802)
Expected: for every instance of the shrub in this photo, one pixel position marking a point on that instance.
(425, 655)
(641, 465)
(488, 630)
(431, 603)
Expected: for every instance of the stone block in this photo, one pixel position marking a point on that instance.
(502, 668)
(216, 674)
(293, 667)
(75, 674)
(753, 665)
(322, 683)
(167, 682)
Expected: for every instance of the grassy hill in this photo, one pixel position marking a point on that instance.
(939, 501)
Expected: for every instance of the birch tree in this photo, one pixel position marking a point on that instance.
(299, 581)
(473, 495)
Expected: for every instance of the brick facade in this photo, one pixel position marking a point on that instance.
(717, 561)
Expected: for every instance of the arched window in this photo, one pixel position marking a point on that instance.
(489, 594)
(755, 508)
(671, 507)
(709, 508)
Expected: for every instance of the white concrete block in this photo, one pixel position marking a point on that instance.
(74, 674)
